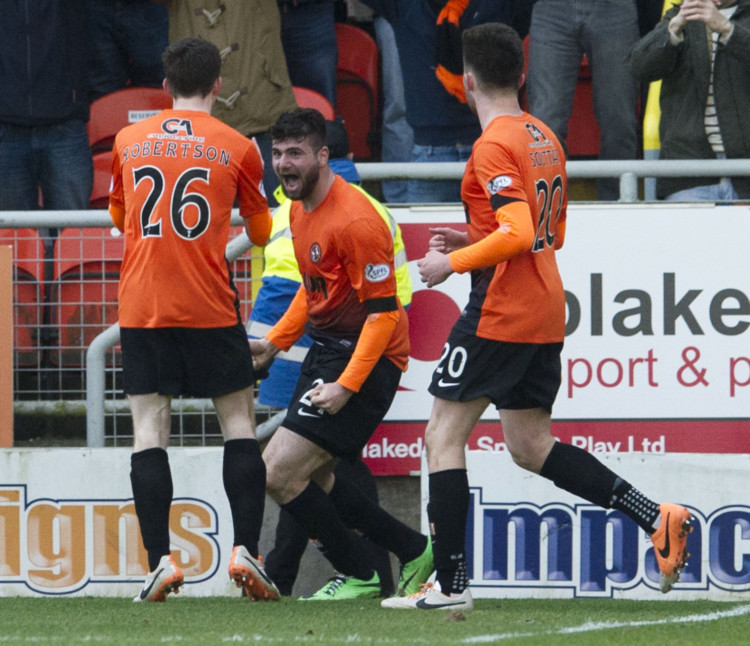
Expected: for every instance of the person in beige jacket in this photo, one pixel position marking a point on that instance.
(255, 82)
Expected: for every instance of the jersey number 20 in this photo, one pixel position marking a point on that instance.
(552, 198)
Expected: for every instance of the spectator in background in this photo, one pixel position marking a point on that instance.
(308, 35)
(649, 13)
(44, 106)
(515, 13)
(281, 280)
(397, 137)
(397, 134)
(256, 87)
(701, 52)
(126, 40)
(444, 127)
(561, 32)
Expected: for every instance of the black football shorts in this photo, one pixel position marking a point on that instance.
(513, 375)
(193, 362)
(345, 433)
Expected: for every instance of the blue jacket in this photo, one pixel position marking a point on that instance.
(437, 117)
(43, 67)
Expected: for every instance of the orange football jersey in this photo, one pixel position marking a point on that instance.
(345, 255)
(520, 300)
(175, 179)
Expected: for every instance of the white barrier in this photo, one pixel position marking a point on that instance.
(68, 524)
(527, 538)
(656, 356)
(67, 529)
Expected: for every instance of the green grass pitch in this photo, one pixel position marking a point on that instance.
(225, 620)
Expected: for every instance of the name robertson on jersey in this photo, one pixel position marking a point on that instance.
(177, 141)
(182, 147)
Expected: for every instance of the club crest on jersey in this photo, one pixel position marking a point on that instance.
(176, 126)
(497, 184)
(315, 253)
(377, 273)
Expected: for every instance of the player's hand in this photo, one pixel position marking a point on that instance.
(434, 268)
(445, 239)
(331, 397)
(263, 352)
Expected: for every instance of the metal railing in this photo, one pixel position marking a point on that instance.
(629, 172)
(96, 359)
(66, 274)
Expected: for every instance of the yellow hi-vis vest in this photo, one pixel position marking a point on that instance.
(279, 251)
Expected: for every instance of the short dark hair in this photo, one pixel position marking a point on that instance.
(494, 53)
(300, 123)
(191, 66)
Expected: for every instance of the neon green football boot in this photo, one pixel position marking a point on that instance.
(341, 587)
(415, 572)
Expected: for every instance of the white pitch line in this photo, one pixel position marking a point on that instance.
(737, 611)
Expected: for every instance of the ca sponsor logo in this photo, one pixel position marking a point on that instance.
(177, 127)
(537, 135)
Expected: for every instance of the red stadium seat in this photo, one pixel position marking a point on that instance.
(112, 112)
(28, 302)
(583, 131)
(357, 89)
(87, 273)
(102, 180)
(307, 98)
(244, 270)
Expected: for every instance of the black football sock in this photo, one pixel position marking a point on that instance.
(283, 561)
(314, 510)
(151, 480)
(244, 474)
(447, 510)
(631, 502)
(581, 474)
(359, 473)
(362, 513)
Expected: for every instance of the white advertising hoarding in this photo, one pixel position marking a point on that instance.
(68, 527)
(656, 354)
(527, 538)
(68, 524)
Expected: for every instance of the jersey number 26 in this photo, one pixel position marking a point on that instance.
(179, 199)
